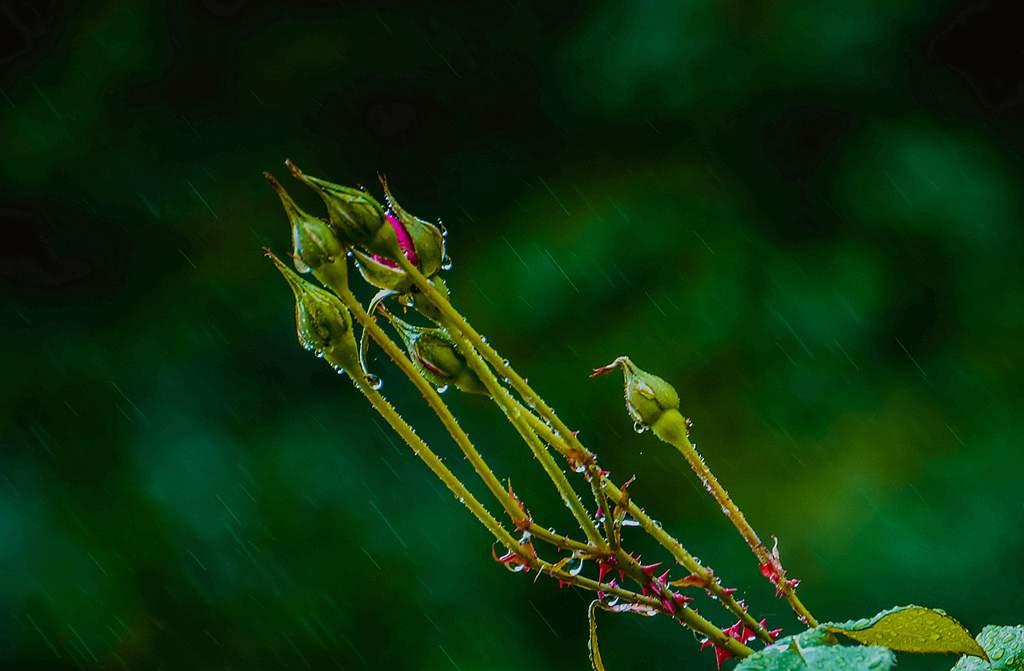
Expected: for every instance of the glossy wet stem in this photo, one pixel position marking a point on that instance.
(456, 323)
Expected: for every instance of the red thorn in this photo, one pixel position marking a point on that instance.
(681, 599)
(650, 568)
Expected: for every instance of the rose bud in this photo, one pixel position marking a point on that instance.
(377, 271)
(436, 357)
(651, 401)
(424, 306)
(425, 240)
(313, 242)
(377, 235)
(356, 217)
(324, 324)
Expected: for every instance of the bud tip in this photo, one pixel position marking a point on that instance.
(293, 168)
(620, 362)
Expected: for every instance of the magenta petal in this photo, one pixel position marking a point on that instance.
(384, 261)
(404, 239)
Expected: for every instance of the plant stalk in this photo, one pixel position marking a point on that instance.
(515, 414)
(735, 515)
(685, 615)
(655, 531)
(434, 463)
(334, 279)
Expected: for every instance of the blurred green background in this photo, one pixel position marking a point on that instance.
(806, 215)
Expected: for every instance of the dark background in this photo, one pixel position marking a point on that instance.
(806, 215)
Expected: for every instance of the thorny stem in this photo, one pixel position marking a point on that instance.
(558, 540)
(455, 322)
(735, 515)
(685, 615)
(519, 517)
(655, 531)
(515, 414)
(434, 463)
(611, 530)
(517, 514)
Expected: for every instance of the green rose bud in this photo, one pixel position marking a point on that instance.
(436, 357)
(313, 242)
(424, 306)
(427, 240)
(356, 217)
(395, 282)
(380, 274)
(377, 235)
(414, 299)
(324, 324)
(651, 401)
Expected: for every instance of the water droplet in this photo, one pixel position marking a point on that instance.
(629, 522)
(575, 570)
(442, 389)
(300, 266)
(374, 381)
(639, 426)
(446, 262)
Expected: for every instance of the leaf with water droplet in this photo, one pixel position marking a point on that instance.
(911, 629)
(1005, 648)
(816, 650)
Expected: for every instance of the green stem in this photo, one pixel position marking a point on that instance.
(515, 413)
(434, 463)
(686, 616)
(735, 515)
(334, 278)
(655, 531)
(611, 530)
(453, 320)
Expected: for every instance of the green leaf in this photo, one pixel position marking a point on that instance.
(816, 650)
(1005, 648)
(911, 629)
